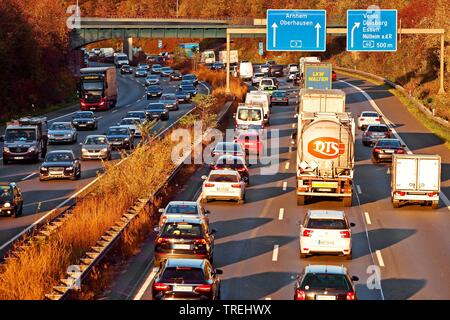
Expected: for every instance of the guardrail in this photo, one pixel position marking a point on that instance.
(429, 114)
(78, 273)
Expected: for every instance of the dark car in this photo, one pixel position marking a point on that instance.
(170, 101)
(193, 279)
(280, 97)
(229, 162)
(154, 91)
(176, 76)
(324, 282)
(140, 72)
(374, 132)
(11, 200)
(154, 59)
(166, 71)
(156, 69)
(184, 238)
(84, 120)
(157, 111)
(189, 88)
(60, 164)
(137, 114)
(218, 66)
(152, 80)
(191, 77)
(385, 148)
(120, 137)
(276, 70)
(183, 96)
(126, 69)
(297, 79)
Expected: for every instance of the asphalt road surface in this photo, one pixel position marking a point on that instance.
(257, 244)
(40, 198)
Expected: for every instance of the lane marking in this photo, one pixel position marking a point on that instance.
(358, 188)
(284, 185)
(290, 149)
(281, 214)
(114, 111)
(29, 176)
(286, 167)
(207, 88)
(380, 258)
(388, 170)
(366, 214)
(146, 284)
(275, 252)
(268, 298)
(294, 125)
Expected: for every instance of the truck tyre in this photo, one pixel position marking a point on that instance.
(301, 200)
(5, 162)
(349, 256)
(347, 201)
(435, 205)
(396, 203)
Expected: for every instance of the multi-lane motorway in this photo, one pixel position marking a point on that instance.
(42, 198)
(257, 244)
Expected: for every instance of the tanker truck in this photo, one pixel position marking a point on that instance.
(325, 146)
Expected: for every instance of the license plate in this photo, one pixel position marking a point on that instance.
(182, 246)
(57, 173)
(388, 151)
(322, 297)
(19, 158)
(91, 108)
(182, 288)
(223, 189)
(82, 125)
(320, 184)
(326, 242)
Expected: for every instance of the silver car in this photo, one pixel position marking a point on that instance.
(60, 132)
(96, 147)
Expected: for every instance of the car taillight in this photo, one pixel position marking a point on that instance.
(209, 185)
(307, 233)
(400, 151)
(163, 219)
(241, 169)
(300, 295)
(432, 194)
(160, 286)
(378, 119)
(204, 288)
(400, 193)
(162, 240)
(199, 242)
(238, 186)
(351, 296)
(377, 150)
(345, 234)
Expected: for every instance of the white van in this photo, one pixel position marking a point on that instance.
(260, 98)
(246, 70)
(121, 59)
(248, 115)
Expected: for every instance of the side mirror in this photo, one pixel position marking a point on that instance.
(219, 271)
(352, 224)
(355, 278)
(204, 177)
(161, 210)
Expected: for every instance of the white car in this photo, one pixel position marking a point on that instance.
(181, 209)
(132, 124)
(292, 67)
(264, 68)
(223, 185)
(266, 82)
(368, 117)
(257, 77)
(292, 75)
(326, 231)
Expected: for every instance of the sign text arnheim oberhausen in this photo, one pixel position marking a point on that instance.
(296, 23)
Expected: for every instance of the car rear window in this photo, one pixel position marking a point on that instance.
(223, 178)
(370, 114)
(316, 281)
(326, 224)
(279, 94)
(182, 208)
(389, 143)
(249, 115)
(182, 230)
(378, 129)
(183, 275)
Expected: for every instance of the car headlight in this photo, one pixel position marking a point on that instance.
(69, 168)
(5, 149)
(104, 150)
(75, 122)
(90, 121)
(50, 135)
(126, 139)
(84, 150)
(32, 149)
(7, 205)
(44, 169)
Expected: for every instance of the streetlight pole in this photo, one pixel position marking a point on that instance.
(177, 8)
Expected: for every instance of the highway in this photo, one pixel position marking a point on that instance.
(42, 198)
(257, 244)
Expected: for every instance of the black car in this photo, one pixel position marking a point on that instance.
(170, 101)
(126, 69)
(193, 279)
(156, 69)
(137, 114)
(60, 164)
(154, 91)
(84, 120)
(280, 97)
(184, 238)
(384, 149)
(325, 282)
(120, 137)
(157, 111)
(189, 88)
(218, 66)
(176, 76)
(183, 96)
(11, 200)
(276, 70)
(191, 77)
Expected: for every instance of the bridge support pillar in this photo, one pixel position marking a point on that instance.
(128, 48)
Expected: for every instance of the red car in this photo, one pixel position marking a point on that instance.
(333, 75)
(250, 142)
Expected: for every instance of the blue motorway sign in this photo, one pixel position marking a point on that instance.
(261, 48)
(372, 30)
(296, 30)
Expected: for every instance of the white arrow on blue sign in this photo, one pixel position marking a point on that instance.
(372, 30)
(296, 30)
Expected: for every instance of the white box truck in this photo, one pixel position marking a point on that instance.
(325, 147)
(415, 178)
(208, 57)
(246, 70)
(233, 56)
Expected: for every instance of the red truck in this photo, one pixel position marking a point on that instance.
(97, 88)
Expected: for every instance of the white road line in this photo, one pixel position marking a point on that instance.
(388, 170)
(207, 89)
(290, 149)
(281, 214)
(63, 116)
(114, 111)
(366, 214)
(29, 176)
(284, 185)
(286, 167)
(146, 284)
(358, 188)
(275, 252)
(380, 258)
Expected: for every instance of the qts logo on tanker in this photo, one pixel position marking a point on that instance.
(326, 148)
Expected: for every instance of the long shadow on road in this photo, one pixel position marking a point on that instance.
(231, 227)
(401, 289)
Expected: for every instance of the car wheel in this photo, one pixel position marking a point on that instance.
(303, 255)
(349, 256)
(15, 214)
(5, 162)
(347, 201)
(301, 200)
(435, 204)
(374, 160)
(395, 203)
(21, 210)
